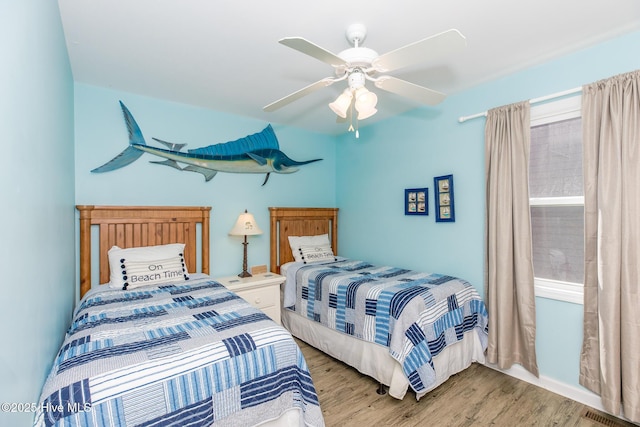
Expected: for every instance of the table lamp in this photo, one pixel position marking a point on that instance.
(245, 226)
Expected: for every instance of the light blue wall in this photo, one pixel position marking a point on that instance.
(36, 171)
(101, 135)
(409, 151)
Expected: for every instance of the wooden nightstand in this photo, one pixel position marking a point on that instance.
(260, 290)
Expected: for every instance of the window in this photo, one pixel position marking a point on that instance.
(557, 200)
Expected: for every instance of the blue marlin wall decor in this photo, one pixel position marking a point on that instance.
(256, 153)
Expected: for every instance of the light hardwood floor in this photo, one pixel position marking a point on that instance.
(478, 396)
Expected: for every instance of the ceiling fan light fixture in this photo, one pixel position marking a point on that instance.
(365, 99)
(356, 79)
(365, 114)
(341, 105)
(358, 64)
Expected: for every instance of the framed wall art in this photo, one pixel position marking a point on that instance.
(416, 201)
(443, 194)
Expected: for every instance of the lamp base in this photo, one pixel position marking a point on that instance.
(244, 273)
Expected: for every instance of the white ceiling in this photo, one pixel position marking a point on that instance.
(224, 55)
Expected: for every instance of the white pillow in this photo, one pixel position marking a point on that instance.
(133, 267)
(316, 253)
(295, 242)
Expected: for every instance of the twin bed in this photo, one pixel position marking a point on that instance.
(163, 343)
(406, 329)
(168, 345)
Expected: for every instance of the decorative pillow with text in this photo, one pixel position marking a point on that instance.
(296, 242)
(141, 273)
(316, 253)
(148, 265)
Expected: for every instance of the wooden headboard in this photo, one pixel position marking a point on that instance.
(131, 226)
(287, 222)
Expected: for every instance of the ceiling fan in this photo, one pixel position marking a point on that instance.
(358, 64)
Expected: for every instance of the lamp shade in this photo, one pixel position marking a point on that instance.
(365, 114)
(245, 226)
(365, 99)
(365, 103)
(342, 103)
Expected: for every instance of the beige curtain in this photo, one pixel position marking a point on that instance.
(610, 358)
(509, 263)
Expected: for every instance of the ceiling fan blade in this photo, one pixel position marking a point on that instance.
(311, 49)
(327, 81)
(410, 90)
(432, 47)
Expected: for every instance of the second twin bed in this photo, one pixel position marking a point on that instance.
(406, 329)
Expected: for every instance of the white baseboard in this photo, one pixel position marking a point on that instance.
(578, 394)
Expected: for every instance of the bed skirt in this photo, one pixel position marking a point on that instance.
(374, 360)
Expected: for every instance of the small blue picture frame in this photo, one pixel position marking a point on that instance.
(443, 194)
(416, 201)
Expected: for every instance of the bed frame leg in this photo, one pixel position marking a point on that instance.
(381, 389)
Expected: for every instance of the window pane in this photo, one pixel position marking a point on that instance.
(558, 248)
(555, 165)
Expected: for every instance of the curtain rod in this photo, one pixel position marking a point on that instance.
(532, 101)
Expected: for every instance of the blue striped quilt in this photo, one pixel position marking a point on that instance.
(416, 315)
(190, 353)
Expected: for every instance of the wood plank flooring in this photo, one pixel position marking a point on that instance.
(478, 396)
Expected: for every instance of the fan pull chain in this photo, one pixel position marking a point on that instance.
(351, 118)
